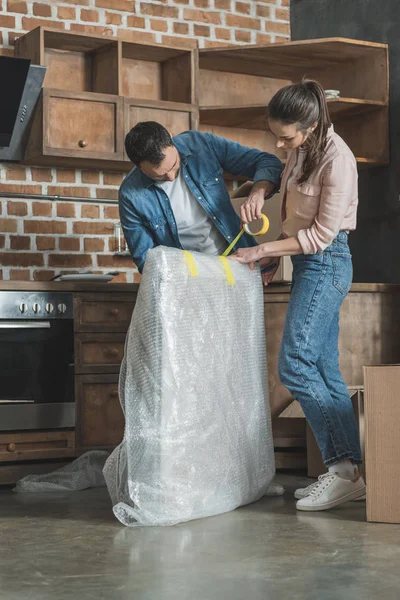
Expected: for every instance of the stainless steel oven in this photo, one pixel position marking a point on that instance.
(36, 361)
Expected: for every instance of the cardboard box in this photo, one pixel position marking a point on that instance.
(382, 442)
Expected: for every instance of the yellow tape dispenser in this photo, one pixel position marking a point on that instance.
(245, 229)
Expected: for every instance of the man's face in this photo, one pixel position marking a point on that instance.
(167, 170)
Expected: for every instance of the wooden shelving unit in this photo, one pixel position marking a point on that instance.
(92, 80)
(236, 84)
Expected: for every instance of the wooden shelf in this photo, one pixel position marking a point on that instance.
(253, 116)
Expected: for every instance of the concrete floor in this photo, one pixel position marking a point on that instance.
(69, 546)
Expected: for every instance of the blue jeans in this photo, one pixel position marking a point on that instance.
(309, 356)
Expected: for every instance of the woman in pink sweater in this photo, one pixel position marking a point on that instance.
(319, 208)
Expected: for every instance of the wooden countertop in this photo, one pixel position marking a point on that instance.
(78, 286)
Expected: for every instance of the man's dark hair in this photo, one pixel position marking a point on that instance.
(146, 141)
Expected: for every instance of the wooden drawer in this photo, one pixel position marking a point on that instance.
(99, 352)
(66, 124)
(103, 312)
(173, 116)
(100, 420)
(37, 445)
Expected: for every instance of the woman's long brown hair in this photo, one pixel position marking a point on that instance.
(304, 104)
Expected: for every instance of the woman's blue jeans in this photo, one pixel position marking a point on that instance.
(309, 355)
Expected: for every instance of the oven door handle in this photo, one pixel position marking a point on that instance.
(24, 324)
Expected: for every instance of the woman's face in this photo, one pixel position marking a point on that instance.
(288, 137)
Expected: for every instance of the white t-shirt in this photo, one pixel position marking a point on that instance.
(195, 229)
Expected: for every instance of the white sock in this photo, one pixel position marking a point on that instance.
(344, 468)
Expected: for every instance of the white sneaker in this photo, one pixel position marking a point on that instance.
(303, 492)
(331, 490)
(275, 490)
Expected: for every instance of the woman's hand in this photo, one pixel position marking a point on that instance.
(248, 256)
(251, 210)
(268, 276)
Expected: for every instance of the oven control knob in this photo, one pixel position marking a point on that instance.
(36, 307)
(23, 307)
(62, 308)
(49, 308)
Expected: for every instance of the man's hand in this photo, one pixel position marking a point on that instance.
(251, 210)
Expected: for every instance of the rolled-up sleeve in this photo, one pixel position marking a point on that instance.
(339, 182)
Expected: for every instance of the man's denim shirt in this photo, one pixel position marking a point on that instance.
(145, 211)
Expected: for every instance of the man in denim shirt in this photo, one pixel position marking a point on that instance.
(176, 196)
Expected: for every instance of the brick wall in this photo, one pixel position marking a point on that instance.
(41, 238)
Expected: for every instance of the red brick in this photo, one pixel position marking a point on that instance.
(124, 5)
(12, 36)
(41, 10)
(41, 209)
(17, 6)
(93, 245)
(80, 2)
(45, 226)
(106, 194)
(89, 15)
(41, 174)
(264, 38)
(90, 176)
(113, 18)
(222, 34)
(20, 189)
(157, 10)
(96, 29)
(21, 259)
(202, 16)
(209, 44)
(273, 27)
(43, 275)
(264, 11)
(111, 212)
(181, 1)
(242, 22)
(113, 178)
(121, 278)
(15, 173)
(20, 242)
(202, 3)
(69, 244)
(285, 2)
(93, 228)
(66, 175)
(242, 36)
(181, 28)
(67, 13)
(45, 242)
(7, 22)
(243, 7)
(19, 274)
(137, 278)
(70, 260)
(66, 210)
(108, 260)
(138, 22)
(159, 25)
(89, 211)
(135, 36)
(201, 30)
(180, 42)
(222, 4)
(19, 209)
(2, 241)
(8, 225)
(28, 23)
(76, 192)
(6, 51)
(282, 14)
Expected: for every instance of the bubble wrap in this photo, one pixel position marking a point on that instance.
(193, 388)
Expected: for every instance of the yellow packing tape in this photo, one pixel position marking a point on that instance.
(262, 231)
(191, 263)
(228, 271)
